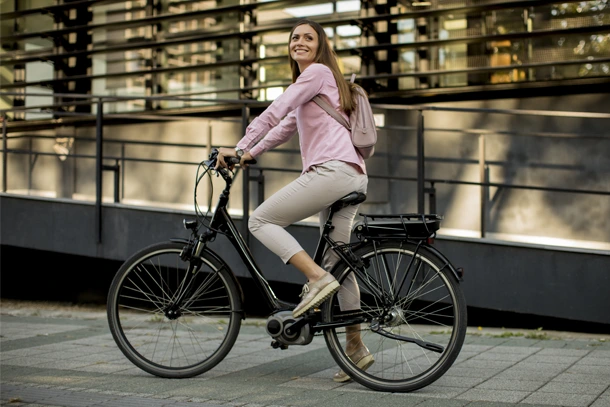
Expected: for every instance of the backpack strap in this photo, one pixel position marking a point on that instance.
(329, 109)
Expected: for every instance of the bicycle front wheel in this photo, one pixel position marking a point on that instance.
(170, 322)
(412, 318)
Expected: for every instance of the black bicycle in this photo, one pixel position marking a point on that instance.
(175, 308)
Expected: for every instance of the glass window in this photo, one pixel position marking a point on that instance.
(306, 9)
(348, 36)
(454, 56)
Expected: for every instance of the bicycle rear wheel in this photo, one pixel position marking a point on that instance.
(170, 322)
(413, 317)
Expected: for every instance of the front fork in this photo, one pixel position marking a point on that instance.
(191, 253)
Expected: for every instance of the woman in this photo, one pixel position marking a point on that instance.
(332, 168)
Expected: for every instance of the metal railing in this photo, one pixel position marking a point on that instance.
(426, 186)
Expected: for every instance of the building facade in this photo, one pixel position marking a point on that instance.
(402, 51)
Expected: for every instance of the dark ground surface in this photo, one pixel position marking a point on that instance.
(55, 355)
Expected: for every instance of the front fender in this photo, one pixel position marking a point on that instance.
(224, 264)
(207, 251)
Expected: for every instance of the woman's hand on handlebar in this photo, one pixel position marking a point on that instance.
(220, 158)
(246, 160)
(229, 152)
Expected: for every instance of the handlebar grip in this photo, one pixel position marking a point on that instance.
(234, 161)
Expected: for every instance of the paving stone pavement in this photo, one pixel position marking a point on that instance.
(67, 357)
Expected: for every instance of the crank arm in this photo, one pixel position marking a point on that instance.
(426, 345)
(321, 326)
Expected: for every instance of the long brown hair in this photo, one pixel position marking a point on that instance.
(325, 55)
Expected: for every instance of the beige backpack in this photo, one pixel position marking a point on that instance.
(361, 122)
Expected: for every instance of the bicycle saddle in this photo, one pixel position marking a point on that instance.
(353, 198)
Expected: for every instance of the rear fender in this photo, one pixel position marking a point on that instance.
(458, 274)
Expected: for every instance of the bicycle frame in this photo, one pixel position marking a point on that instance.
(222, 222)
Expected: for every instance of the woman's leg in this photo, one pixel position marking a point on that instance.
(304, 197)
(349, 293)
(305, 264)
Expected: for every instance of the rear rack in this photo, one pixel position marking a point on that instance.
(397, 226)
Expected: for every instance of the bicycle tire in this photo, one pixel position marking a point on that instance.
(164, 339)
(429, 307)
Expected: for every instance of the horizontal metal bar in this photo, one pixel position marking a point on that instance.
(223, 35)
(483, 69)
(113, 98)
(519, 90)
(167, 69)
(484, 38)
(360, 20)
(71, 5)
(429, 180)
(212, 66)
(520, 112)
(11, 15)
(516, 112)
(277, 169)
(517, 186)
(124, 24)
(487, 132)
(60, 113)
(107, 158)
(110, 99)
(203, 112)
(466, 132)
(112, 141)
(477, 132)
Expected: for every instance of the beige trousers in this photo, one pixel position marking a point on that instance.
(313, 192)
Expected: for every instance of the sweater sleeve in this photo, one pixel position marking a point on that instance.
(307, 85)
(276, 136)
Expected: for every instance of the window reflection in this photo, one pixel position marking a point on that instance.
(407, 61)
(453, 56)
(210, 48)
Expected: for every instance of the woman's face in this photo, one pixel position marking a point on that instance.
(304, 45)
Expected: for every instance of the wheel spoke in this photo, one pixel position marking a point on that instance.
(414, 294)
(162, 336)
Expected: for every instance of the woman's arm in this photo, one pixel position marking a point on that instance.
(307, 85)
(278, 135)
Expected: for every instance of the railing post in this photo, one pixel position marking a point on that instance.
(123, 172)
(245, 120)
(420, 163)
(116, 168)
(31, 162)
(261, 187)
(431, 198)
(484, 188)
(4, 155)
(117, 182)
(99, 134)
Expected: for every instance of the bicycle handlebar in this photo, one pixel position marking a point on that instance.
(228, 160)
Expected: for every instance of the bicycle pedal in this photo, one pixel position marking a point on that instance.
(277, 344)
